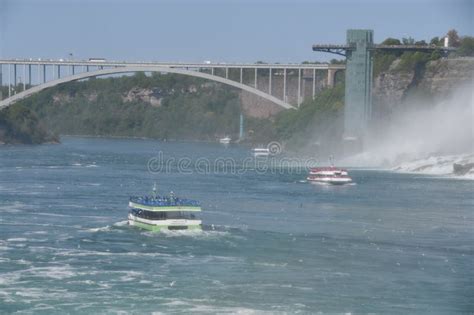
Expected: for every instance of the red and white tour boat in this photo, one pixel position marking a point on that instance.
(329, 175)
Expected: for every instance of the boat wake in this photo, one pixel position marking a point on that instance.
(208, 232)
(116, 226)
(198, 234)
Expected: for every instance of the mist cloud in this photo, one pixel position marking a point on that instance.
(421, 130)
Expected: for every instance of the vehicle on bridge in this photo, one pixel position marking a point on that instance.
(97, 59)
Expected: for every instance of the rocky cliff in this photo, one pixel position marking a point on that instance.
(436, 79)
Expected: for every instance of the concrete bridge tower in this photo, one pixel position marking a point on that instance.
(358, 93)
(358, 50)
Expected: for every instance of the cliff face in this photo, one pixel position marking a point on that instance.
(444, 75)
(438, 78)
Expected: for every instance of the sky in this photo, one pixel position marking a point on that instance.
(214, 30)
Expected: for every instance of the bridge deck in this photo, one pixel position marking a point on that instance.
(319, 66)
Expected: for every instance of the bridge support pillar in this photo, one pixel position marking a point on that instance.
(9, 80)
(299, 88)
(284, 85)
(331, 78)
(255, 79)
(14, 76)
(270, 81)
(29, 75)
(314, 83)
(241, 127)
(24, 77)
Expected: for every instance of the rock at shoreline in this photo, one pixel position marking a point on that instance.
(462, 169)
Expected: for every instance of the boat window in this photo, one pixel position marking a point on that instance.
(153, 215)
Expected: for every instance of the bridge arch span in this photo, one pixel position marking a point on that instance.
(84, 75)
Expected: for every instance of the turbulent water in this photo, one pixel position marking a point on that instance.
(392, 243)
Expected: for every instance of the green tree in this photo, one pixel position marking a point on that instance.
(436, 41)
(453, 38)
(391, 41)
(408, 41)
(466, 47)
(435, 55)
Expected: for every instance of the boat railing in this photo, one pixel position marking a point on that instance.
(164, 201)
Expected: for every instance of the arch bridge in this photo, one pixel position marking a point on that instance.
(27, 76)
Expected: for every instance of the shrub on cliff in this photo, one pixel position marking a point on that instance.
(18, 124)
(466, 47)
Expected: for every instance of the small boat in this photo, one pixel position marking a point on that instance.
(225, 140)
(329, 175)
(157, 213)
(260, 152)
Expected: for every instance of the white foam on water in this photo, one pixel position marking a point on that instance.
(17, 239)
(42, 307)
(267, 264)
(145, 281)
(53, 272)
(58, 272)
(437, 165)
(108, 227)
(199, 234)
(29, 295)
(87, 253)
(23, 262)
(198, 306)
(14, 207)
(9, 278)
(93, 184)
(37, 233)
(3, 245)
(121, 223)
(99, 229)
(88, 282)
(130, 276)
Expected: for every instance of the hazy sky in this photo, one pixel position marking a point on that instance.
(219, 30)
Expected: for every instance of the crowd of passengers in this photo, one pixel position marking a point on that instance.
(167, 200)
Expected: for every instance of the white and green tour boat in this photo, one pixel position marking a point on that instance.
(157, 213)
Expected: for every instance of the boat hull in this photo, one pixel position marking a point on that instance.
(164, 225)
(331, 181)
